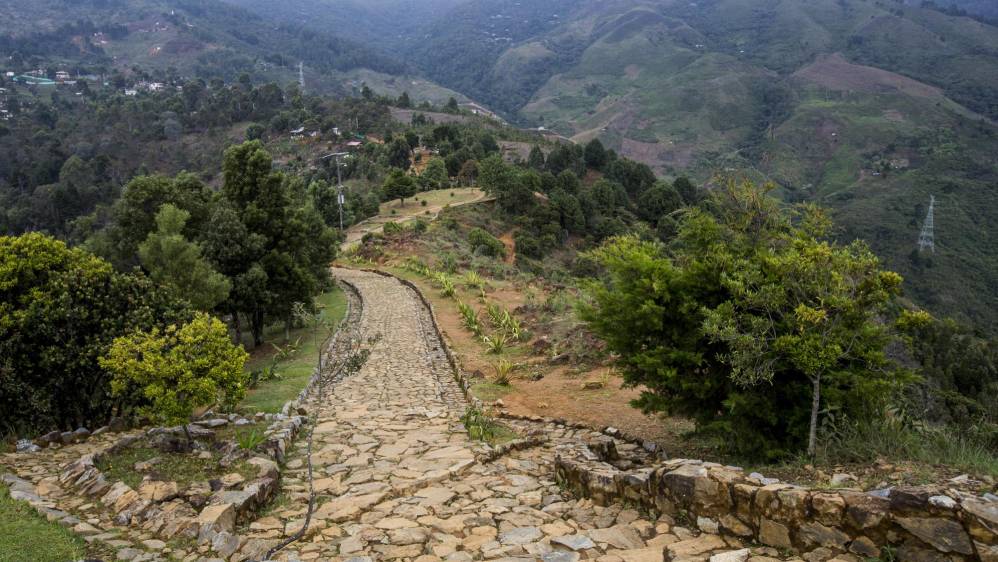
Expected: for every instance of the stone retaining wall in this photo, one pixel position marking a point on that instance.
(925, 524)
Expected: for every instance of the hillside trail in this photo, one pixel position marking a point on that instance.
(395, 473)
(399, 479)
(355, 233)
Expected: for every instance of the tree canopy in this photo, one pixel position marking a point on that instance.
(751, 322)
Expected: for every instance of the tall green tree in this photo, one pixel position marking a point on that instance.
(595, 154)
(535, 160)
(434, 176)
(513, 191)
(174, 261)
(295, 248)
(751, 322)
(399, 185)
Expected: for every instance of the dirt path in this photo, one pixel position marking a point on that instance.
(431, 212)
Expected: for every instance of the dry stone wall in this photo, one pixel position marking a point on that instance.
(924, 523)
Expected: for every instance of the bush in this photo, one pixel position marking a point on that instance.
(392, 227)
(60, 309)
(178, 369)
(748, 318)
(527, 245)
(485, 244)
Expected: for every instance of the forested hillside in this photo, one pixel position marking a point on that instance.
(206, 38)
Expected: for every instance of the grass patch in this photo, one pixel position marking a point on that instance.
(489, 392)
(482, 426)
(963, 450)
(294, 371)
(184, 469)
(25, 535)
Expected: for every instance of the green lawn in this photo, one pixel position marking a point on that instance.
(294, 371)
(25, 535)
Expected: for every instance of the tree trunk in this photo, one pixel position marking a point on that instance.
(812, 439)
(257, 329)
(238, 328)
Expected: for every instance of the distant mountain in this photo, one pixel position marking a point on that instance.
(384, 25)
(207, 38)
(865, 106)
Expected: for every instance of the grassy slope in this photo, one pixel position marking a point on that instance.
(25, 535)
(295, 371)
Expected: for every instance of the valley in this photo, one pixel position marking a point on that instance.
(459, 280)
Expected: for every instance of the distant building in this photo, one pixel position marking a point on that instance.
(131, 92)
(62, 76)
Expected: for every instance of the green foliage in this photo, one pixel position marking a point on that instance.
(485, 244)
(504, 370)
(178, 369)
(745, 318)
(473, 280)
(399, 185)
(595, 154)
(251, 440)
(495, 343)
(480, 425)
(271, 243)
(469, 317)
(434, 176)
(391, 228)
(174, 261)
(60, 309)
(959, 372)
(512, 188)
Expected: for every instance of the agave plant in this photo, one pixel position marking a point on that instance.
(504, 371)
(495, 343)
(447, 287)
(495, 313)
(470, 318)
(473, 280)
(512, 327)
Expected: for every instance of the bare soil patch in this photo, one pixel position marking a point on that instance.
(836, 73)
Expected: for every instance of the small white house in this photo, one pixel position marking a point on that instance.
(131, 92)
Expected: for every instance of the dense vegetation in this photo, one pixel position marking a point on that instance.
(209, 37)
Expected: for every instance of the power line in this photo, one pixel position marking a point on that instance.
(927, 238)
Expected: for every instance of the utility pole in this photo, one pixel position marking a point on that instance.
(301, 77)
(340, 198)
(927, 238)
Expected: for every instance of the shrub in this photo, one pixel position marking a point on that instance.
(178, 369)
(527, 245)
(495, 343)
(754, 324)
(60, 309)
(504, 370)
(391, 228)
(484, 243)
(473, 280)
(470, 318)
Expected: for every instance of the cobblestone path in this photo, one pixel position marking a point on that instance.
(398, 475)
